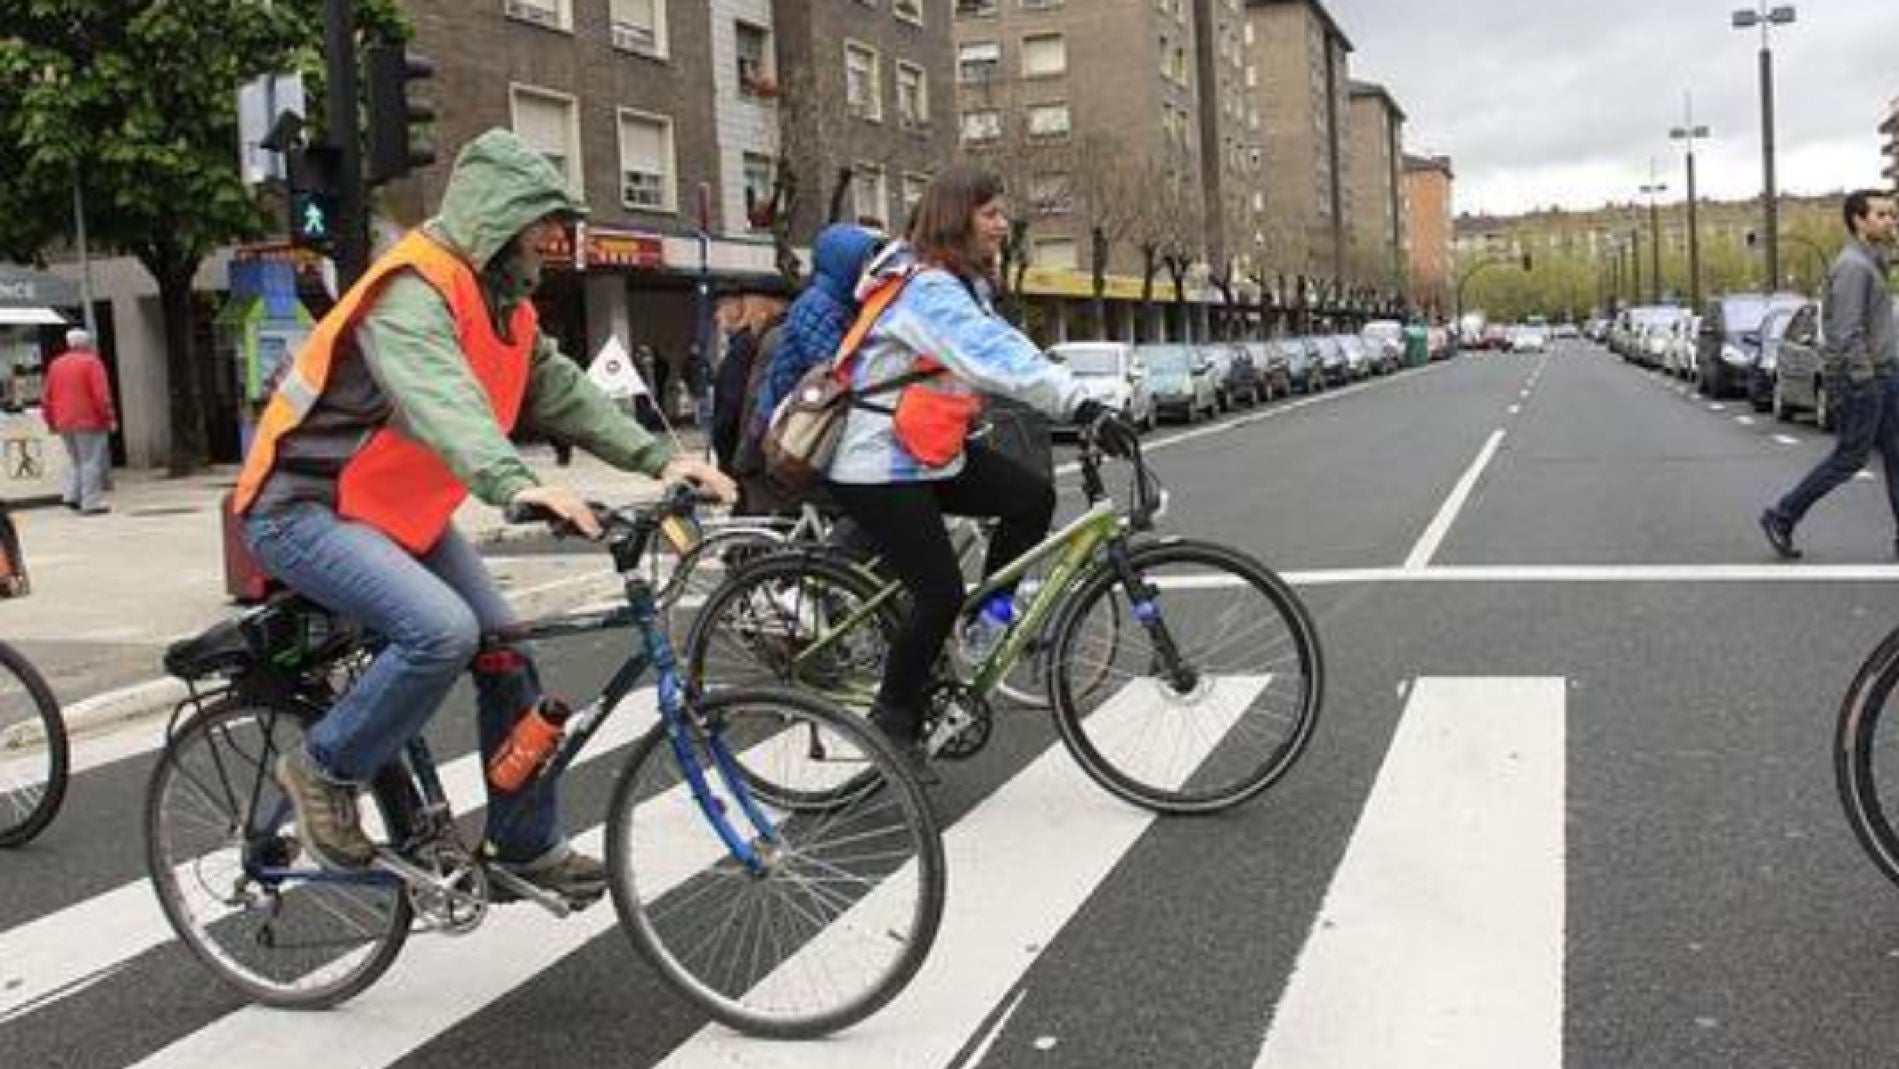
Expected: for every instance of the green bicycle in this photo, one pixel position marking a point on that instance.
(1184, 676)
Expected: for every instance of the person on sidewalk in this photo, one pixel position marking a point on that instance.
(1862, 355)
(77, 405)
(396, 409)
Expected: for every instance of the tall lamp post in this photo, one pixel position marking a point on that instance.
(1687, 132)
(1654, 234)
(1767, 18)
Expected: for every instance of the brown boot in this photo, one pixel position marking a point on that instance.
(327, 818)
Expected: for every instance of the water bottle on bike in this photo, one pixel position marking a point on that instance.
(534, 737)
(984, 631)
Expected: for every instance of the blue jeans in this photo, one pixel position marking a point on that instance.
(1869, 418)
(433, 610)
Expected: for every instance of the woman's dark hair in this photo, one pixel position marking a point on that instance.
(941, 227)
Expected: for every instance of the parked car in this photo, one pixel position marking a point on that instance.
(1529, 339)
(1304, 371)
(1113, 373)
(1334, 366)
(1236, 377)
(1800, 371)
(1678, 346)
(1275, 369)
(1773, 332)
(1181, 379)
(1730, 339)
(1388, 336)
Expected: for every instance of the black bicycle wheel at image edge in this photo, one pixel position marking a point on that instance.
(33, 751)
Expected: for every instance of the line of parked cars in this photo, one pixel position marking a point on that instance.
(1768, 348)
(1176, 381)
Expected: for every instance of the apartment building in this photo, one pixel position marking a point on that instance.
(1302, 57)
(1233, 160)
(868, 105)
(1375, 175)
(1890, 127)
(1428, 182)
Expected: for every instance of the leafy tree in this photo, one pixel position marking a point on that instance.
(134, 103)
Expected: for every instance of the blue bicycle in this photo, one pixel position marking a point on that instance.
(776, 861)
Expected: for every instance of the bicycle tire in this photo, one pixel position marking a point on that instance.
(34, 753)
(1274, 694)
(1857, 768)
(760, 619)
(702, 568)
(690, 902)
(218, 764)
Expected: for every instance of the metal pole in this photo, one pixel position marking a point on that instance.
(85, 261)
(1767, 165)
(1655, 250)
(1635, 262)
(352, 205)
(1694, 237)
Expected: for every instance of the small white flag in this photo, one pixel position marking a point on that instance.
(612, 370)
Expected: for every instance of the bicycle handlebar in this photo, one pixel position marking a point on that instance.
(679, 499)
(1148, 499)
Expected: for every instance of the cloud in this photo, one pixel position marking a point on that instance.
(1565, 103)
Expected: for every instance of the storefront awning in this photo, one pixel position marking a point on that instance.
(29, 317)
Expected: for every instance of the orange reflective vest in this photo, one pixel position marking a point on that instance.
(394, 484)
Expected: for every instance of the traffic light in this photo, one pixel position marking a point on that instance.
(394, 148)
(313, 195)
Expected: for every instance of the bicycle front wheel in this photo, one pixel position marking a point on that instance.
(237, 886)
(1208, 694)
(33, 755)
(1866, 757)
(776, 920)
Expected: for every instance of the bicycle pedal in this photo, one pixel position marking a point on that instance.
(506, 887)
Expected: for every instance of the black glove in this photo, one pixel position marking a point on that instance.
(1109, 429)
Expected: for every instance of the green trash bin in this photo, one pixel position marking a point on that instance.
(1417, 345)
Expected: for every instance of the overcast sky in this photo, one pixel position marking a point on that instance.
(1542, 102)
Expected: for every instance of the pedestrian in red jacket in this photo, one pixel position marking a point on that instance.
(77, 406)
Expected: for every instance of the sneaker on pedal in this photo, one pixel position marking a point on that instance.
(910, 747)
(563, 871)
(327, 818)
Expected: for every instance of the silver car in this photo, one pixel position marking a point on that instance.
(1113, 373)
(1181, 379)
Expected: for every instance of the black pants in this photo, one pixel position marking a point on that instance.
(905, 522)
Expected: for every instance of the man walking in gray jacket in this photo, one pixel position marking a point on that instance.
(1862, 354)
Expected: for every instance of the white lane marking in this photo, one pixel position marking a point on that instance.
(1441, 938)
(1514, 409)
(1786, 439)
(1745, 421)
(1863, 474)
(1602, 573)
(56, 955)
(977, 1055)
(1716, 406)
(1020, 866)
(1440, 524)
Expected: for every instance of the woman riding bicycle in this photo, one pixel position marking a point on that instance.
(398, 407)
(900, 467)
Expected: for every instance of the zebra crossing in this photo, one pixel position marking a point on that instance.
(1474, 773)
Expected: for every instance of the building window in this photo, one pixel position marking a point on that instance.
(638, 26)
(550, 124)
(1051, 194)
(978, 61)
(913, 96)
(1040, 5)
(973, 8)
(753, 45)
(908, 10)
(913, 186)
(646, 162)
(863, 88)
(553, 14)
(1056, 253)
(871, 196)
(982, 127)
(759, 175)
(1048, 120)
(1044, 56)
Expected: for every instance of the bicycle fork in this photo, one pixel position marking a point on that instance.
(1144, 600)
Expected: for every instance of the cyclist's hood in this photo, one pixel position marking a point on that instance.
(838, 257)
(499, 187)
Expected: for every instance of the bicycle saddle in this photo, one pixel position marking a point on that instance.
(288, 631)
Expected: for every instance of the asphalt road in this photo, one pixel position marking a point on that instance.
(1570, 803)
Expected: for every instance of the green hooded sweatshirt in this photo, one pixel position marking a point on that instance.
(413, 376)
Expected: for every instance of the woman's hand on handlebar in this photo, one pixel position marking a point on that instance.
(563, 504)
(702, 475)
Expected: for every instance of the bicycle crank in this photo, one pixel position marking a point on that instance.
(958, 722)
(447, 887)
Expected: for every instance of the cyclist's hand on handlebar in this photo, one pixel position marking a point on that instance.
(567, 506)
(702, 475)
(1109, 429)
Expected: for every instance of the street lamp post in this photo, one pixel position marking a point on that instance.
(1767, 18)
(1654, 233)
(1635, 264)
(1687, 132)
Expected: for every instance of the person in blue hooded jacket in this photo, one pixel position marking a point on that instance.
(818, 320)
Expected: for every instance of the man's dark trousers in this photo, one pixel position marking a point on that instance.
(1869, 418)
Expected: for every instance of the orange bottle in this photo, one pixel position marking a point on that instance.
(534, 737)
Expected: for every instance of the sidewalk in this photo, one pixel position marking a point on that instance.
(111, 592)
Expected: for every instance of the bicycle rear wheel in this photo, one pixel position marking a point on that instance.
(236, 885)
(33, 754)
(1866, 756)
(765, 624)
(701, 566)
(843, 903)
(1211, 724)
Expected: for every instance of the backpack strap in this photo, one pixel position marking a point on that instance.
(879, 299)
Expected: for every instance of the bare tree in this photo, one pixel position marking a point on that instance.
(1106, 186)
(807, 123)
